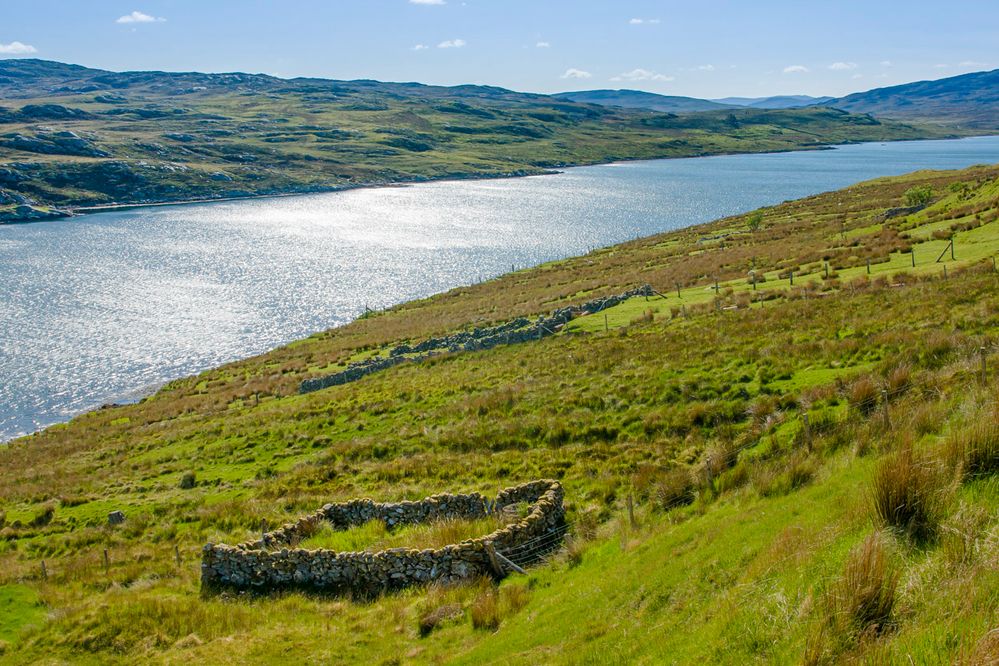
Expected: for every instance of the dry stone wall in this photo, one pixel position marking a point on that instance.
(273, 562)
(513, 332)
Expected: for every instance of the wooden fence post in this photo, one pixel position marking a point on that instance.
(107, 563)
(631, 512)
(985, 370)
(493, 560)
(887, 418)
(176, 552)
(606, 325)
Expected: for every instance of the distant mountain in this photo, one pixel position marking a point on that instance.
(775, 102)
(968, 100)
(638, 99)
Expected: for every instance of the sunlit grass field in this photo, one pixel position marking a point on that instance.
(759, 434)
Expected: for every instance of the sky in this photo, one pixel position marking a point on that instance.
(698, 48)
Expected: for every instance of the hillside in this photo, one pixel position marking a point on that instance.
(639, 99)
(73, 137)
(968, 100)
(811, 451)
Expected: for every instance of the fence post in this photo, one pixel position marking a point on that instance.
(952, 249)
(808, 431)
(678, 288)
(868, 265)
(493, 560)
(884, 400)
(606, 325)
(107, 563)
(176, 552)
(631, 512)
(791, 277)
(913, 253)
(985, 373)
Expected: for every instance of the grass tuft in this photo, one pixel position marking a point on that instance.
(907, 493)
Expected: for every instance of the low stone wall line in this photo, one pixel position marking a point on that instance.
(273, 562)
(513, 332)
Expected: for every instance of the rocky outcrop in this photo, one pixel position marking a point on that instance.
(53, 143)
(273, 562)
(513, 332)
(27, 213)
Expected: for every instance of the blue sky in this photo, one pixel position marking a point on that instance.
(706, 48)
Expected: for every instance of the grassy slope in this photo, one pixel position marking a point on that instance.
(743, 573)
(259, 135)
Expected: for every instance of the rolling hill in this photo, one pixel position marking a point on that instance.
(73, 137)
(803, 421)
(968, 100)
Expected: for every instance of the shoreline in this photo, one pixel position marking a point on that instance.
(73, 211)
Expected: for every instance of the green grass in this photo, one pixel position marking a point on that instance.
(20, 609)
(747, 567)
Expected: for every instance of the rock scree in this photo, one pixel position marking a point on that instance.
(275, 563)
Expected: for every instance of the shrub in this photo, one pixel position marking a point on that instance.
(919, 196)
(863, 395)
(974, 450)
(865, 595)
(906, 494)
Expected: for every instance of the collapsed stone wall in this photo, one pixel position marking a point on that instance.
(513, 332)
(273, 562)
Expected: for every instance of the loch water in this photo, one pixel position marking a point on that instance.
(105, 307)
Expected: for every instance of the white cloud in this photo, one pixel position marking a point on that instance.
(452, 44)
(706, 68)
(542, 45)
(17, 48)
(419, 47)
(640, 21)
(941, 65)
(795, 69)
(641, 75)
(971, 63)
(842, 66)
(139, 17)
(857, 76)
(573, 73)
(886, 63)
(427, 2)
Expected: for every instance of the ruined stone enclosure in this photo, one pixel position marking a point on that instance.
(275, 563)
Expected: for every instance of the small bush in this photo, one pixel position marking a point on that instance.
(863, 395)
(974, 450)
(906, 494)
(865, 595)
